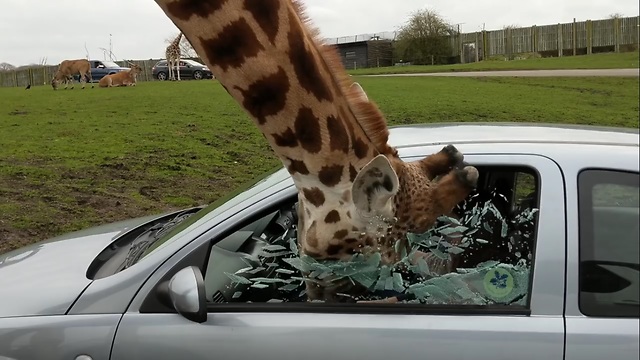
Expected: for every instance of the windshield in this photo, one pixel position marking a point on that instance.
(243, 192)
(195, 63)
(110, 64)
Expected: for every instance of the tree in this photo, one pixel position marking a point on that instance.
(424, 38)
(6, 67)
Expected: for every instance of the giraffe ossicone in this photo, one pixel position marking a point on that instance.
(355, 194)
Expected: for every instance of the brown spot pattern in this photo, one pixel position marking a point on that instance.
(266, 14)
(350, 240)
(184, 9)
(338, 137)
(298, 166)
(360, 148)
(314, 195)
(305, 64)
(286, 139)
(334, 249)
(307, 128)
(352, 172)
(346, 196)
(332, 217)
(330, 175)
(340, 234)
(266, 96)
(233, 46)
(312, 236)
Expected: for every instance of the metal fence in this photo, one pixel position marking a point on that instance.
(385, 35)
(586, 37)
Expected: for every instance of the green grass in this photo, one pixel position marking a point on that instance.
(75, 158)
(595, 61)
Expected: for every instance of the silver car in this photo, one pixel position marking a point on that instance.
(539, 262)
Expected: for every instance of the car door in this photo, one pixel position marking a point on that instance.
(184, 69)
(604, 275)
(98, 70)
(513, 312)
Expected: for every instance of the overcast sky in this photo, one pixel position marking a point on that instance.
(59, 29)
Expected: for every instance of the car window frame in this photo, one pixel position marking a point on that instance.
(587, 179)
(550, 299)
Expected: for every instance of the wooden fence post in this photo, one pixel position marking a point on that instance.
(616, 34)
(460, 45)
(534, 39)
(574, 36)
(507, 42)
(477, 45)
(589, 37)
(485, 45)
(559, 39)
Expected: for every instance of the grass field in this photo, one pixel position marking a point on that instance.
(595, 61)
(75, 158)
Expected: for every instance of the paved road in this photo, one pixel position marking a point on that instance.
(530, 73)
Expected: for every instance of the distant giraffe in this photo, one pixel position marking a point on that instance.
(173, 57)
(355, 193)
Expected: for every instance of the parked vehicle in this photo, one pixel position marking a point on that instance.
(102, 68)
(189, 69)
(548, 268)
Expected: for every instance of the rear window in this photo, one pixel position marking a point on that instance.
(609, 251)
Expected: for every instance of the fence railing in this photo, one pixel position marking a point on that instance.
(42, 75)
(585, 37)
(575, 38)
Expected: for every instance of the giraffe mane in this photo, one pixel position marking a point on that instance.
(366, 112)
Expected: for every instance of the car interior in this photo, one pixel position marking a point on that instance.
(252, 263)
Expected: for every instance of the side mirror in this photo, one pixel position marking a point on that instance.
(185, 292)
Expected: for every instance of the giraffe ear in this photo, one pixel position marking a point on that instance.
(374, 186)
(358, 92)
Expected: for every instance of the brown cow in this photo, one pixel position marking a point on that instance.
(68, 68)
(122, 78)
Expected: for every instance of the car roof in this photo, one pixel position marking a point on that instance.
(508, 132)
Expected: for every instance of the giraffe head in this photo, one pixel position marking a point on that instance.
(135, 69)
(355, 193)
(383, 199)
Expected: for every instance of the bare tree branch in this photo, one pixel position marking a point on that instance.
(6, 67)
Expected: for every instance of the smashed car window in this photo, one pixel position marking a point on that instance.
(480, 255)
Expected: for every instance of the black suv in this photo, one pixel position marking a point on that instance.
(188, 69)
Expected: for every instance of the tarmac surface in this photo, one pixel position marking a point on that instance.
(530, 73)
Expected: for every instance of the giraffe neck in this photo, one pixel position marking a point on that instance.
(176, 42)
(173, 50)
(295, 90)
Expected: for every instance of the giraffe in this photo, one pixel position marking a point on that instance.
(172, 53)
(355, 194)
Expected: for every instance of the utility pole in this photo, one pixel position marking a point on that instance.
(110, 48)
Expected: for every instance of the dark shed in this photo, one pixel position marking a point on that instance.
(364, 54)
